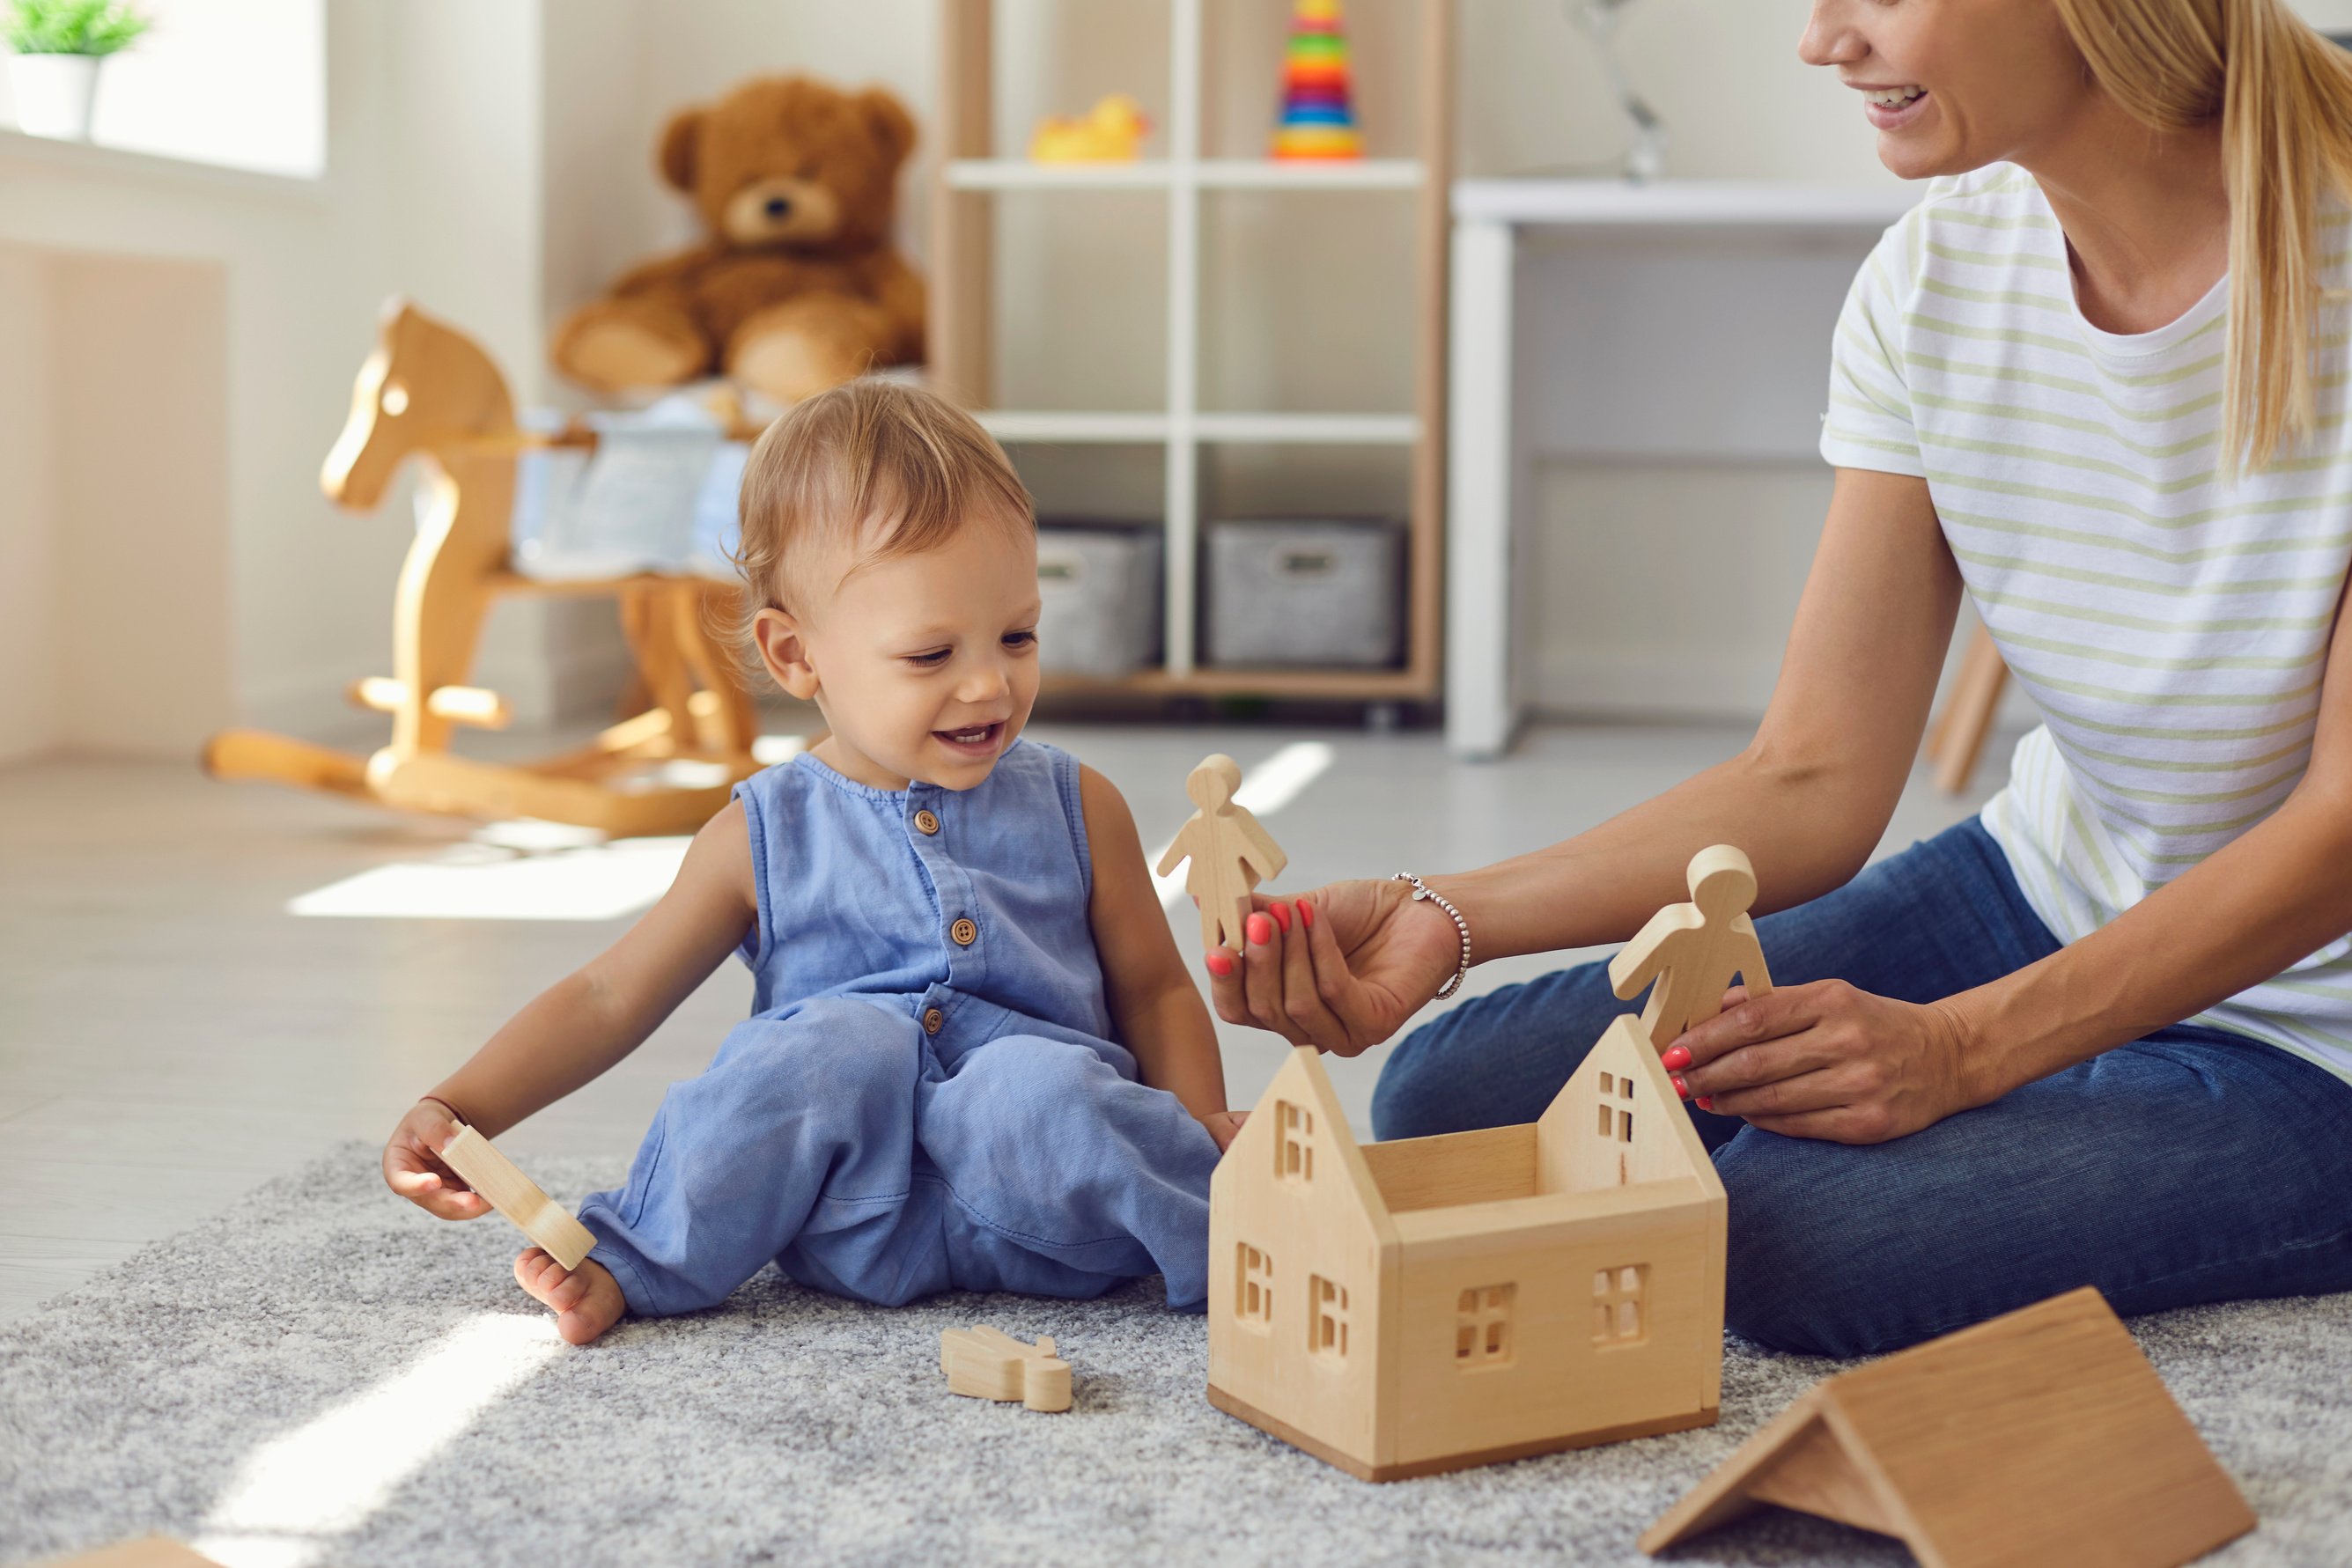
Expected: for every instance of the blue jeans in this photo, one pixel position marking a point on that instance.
(2193, 1165)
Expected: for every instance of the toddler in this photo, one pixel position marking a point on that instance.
(974, 1060)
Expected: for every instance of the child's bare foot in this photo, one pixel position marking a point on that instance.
(586, 1301)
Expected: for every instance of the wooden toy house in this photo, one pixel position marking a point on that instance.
(1399, 1309)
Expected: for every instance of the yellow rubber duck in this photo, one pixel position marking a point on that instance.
(1112, 131)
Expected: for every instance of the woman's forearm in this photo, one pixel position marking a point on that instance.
(1807, 827)
(2239, 917)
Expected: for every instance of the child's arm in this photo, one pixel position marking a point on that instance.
(1155, 1009)
(584, 1023)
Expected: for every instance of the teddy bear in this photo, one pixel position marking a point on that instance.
(796, 286)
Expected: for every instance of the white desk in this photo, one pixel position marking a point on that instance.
(1670, 321)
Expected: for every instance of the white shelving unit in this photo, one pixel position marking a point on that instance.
(963, 304)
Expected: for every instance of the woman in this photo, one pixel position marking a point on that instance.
(2102, 1034)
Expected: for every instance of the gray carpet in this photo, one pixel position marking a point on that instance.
(325, 1375)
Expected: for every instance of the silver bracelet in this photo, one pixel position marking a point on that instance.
(1421, 890)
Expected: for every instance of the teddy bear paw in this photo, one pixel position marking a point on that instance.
(615, 352)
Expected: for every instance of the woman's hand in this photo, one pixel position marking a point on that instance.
(1826, 1060)
(413, 1167)
(1339, 969)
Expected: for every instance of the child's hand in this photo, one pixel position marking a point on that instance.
(413, 1167)
(1223, 1125)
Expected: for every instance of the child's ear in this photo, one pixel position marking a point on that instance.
(784, 652)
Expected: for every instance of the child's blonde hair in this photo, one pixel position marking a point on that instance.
(884, 468)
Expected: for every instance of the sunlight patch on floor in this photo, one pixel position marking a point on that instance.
(1266, 789)
(295, 1494)
(511, 870)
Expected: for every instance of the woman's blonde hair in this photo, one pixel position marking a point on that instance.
(877, 467)
(2284, 97)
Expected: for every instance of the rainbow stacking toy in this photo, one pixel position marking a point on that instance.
(1316, 120)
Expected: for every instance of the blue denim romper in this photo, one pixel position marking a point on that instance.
(924, 1097)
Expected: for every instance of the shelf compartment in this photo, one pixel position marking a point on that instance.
(1017, 425)
(1309, 429)
(1212, 174)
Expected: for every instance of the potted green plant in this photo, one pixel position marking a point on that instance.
(57, 45)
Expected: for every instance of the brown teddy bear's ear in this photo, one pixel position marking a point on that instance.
(678, 140)
(893, 127)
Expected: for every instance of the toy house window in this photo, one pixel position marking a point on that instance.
(1624, 1117)
(1254, 1288)
(1619, 1316)
(1326, 1318)
(1482, 1326)
(1293, 1151)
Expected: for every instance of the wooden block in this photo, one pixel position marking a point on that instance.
(149, 1552)
(2040, 1437)
(986, 1362)
(517, 1197)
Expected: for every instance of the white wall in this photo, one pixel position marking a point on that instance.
(27, 509)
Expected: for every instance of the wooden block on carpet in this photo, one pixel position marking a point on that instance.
(519, 1198)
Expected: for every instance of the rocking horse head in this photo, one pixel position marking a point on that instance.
(427, 387)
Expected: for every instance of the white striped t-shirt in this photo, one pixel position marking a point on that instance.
(2171, 627)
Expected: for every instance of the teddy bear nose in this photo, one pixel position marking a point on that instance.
(780, 207)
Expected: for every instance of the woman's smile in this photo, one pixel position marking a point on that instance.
(1892, 108)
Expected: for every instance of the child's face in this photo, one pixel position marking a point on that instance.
(924, 665)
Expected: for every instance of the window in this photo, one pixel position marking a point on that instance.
(1624, 1118)
(1617, 1315)
(1482, 1326)
(1293, 1151)
(1327, 1319)
(1254, 1288)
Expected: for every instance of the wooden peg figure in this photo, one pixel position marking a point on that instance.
(1694, 950)
(1231, 854)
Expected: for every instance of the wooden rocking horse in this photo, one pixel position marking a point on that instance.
(430, 390)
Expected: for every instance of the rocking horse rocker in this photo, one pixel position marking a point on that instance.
(430, 390)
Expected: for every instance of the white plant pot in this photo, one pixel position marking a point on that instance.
(53, 94)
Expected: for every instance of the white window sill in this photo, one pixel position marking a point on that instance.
(83, 157)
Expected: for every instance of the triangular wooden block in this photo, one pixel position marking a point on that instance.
(2042, 1437)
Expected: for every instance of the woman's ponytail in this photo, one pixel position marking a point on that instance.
(2284, 97)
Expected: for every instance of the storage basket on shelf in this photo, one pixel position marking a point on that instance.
(1306, 591)
(1098, 593)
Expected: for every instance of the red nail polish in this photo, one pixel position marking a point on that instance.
(1681, 1088)
(1707, 1102)
(1281, 912)
(1220, 963)
(1260, 930)
(1307, 915)
(1676, 1056)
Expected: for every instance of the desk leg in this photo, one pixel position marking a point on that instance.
(1482, 707)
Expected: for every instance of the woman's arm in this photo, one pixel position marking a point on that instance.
(1155, 1009)
(1826, 1060)
(1807, 799)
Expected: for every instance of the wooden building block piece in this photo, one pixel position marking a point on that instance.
(478, 1162)
(147, 1552)
(2040, 1437)
(986, 1362)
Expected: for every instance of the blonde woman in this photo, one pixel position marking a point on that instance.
(2102, 1034)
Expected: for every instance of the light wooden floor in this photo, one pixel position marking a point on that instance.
(171, 1035)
